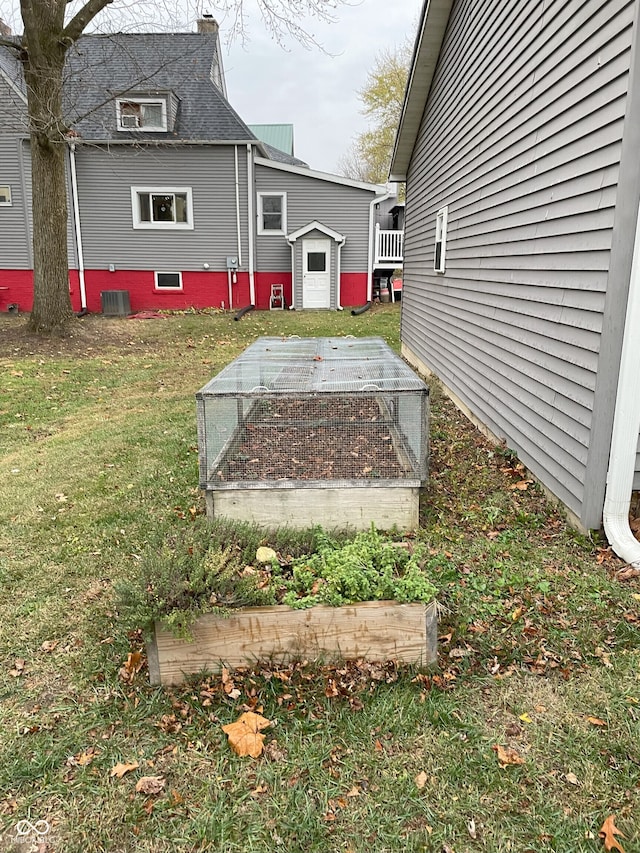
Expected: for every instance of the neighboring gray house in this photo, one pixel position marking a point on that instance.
(519, 140)
(174, 201)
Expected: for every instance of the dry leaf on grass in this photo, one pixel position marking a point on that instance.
(421, 779)
(571, 778)
(150, 785)
(608, 831)
(82, 759)
(245, 736)
(18, 668)
(131, 666)
(507, 755)
(596, 721)
(120, 769)
(628, 574)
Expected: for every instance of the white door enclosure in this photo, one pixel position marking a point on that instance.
(316, 273)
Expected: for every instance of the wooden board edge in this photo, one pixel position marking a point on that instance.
(153, 660)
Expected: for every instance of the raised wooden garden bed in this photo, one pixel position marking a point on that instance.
(373, 630)
(314, 431)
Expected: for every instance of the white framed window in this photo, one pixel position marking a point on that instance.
(162, 207)
(5, 196)
(272, 213)
(168, 280)
(145, 114)
(441, 240)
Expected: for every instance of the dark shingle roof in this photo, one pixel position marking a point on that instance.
(281, 157)
(11, 68)
(103, 67)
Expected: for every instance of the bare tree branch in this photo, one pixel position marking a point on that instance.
(83, 18)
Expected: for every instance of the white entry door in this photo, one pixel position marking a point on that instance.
(316, 273)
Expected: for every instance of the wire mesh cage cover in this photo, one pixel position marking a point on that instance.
(291, 412)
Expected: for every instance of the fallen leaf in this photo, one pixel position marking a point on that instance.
(571, 778)
(525, 718)
(471, 828)
(150, 785)
(596, 721)
(522, 485)
(48, 645)
(120, 769)
(245, 736)
(354, 792)
(421, 779)
(628, 574)
(18, 667)
(608, 831)
(82, 759)
(131, 666)
(507, 755)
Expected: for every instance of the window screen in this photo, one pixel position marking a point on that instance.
(317, 262)
(168, 280)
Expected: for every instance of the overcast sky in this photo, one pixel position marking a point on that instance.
(316, 92)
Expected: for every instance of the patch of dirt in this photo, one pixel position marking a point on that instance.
(308, 439)
(88, 337)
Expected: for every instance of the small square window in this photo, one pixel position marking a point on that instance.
(5, 195)
(168, 280)
(143, 114)
(441, 240)
(169, 207)
(317, 262)
(272, 213)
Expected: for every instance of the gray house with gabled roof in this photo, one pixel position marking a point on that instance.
(174, 201)
(519, 141)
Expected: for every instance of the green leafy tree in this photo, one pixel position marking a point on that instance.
(50, 29)
(382, 97)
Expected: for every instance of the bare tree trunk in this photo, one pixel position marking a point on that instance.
(43, 61)
(51, 300)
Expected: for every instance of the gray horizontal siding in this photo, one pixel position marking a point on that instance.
(105, 178)
(344, 209)
(14, 231)
(521, 138)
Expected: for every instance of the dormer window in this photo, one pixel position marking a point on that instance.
(145, 114)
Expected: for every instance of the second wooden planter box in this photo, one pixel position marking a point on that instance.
(374, 630)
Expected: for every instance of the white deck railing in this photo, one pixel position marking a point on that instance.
(389, 246)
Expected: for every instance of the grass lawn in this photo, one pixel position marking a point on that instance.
(527, 738)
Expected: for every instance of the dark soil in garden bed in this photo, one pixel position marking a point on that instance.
(315, 439)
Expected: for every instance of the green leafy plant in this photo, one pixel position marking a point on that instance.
(371, 567)
(189, 572)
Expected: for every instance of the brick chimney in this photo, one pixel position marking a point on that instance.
(4, 29)
(207, 24)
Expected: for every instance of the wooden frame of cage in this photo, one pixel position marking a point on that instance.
(330, 503)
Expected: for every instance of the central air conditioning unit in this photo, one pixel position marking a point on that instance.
(115, 303)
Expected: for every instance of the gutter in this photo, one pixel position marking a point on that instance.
(238, 228)
(372, 242)
(626, 427)
(252, 223)
(338, 274)
(76, 223)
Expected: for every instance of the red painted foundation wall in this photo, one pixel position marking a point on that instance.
(264, 280)
(199, 289)
(19, 289)
(353, 289)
